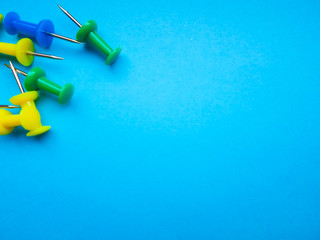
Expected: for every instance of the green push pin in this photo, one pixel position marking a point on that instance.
(87, 33)
(36, 80)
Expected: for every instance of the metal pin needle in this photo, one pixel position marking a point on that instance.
(16, 77)
(44, 55)
(9, 106)
(70, 16)
(63, 37)
(17, 70)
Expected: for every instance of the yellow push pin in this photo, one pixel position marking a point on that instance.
(24, 51)
(29, 117)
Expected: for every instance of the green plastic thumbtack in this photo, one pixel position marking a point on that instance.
(36, 80)
(87, 33)
(1, 17)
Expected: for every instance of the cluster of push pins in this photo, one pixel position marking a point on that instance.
(35, 80)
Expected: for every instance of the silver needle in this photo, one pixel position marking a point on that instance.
(16, 77)
(44, 55)
(63, 37)
(9, 106)
(17, 70)
(70, 16)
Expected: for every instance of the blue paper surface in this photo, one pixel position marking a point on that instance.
(207, 126)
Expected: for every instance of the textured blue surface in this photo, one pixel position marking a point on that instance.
(207, 127)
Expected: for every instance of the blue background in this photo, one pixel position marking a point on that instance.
(207, 126)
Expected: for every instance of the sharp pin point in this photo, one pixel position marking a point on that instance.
(70, 16)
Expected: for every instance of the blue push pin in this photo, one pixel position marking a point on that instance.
(43, 32)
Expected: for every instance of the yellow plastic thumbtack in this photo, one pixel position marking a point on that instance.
(29, 117)
(24, 51)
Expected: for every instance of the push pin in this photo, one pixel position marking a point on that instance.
(36, 80)
(29, 117)
(1, 17)
(24, 51)
(43, 32)
(87, 33)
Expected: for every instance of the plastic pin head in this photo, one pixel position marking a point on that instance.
(41, 35)
(1, 17)
(23, 46)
